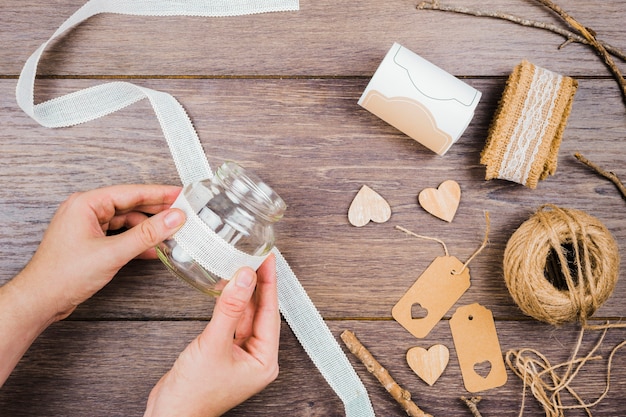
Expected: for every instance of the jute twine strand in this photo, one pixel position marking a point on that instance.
(445, 248)
(587, 263)
(408, 232)
(545, 382)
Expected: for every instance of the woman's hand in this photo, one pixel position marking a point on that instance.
(235, 357)
(76, 258)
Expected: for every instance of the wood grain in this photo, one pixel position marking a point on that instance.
(323, 38)
(313, 146)
(278, 93)
(110, 366)
(429, 363)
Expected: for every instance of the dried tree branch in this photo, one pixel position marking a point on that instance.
(611, 176)
(472, 404)
(402, 396)
(568, 35)
(588, 35)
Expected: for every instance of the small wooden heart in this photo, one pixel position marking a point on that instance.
(368, 206)
(443, 201)
(428, 364)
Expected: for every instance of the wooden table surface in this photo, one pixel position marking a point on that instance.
(278, 93)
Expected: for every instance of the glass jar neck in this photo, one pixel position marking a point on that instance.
(246, 189)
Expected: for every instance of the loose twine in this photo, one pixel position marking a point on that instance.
(445, 248)
(560, 266)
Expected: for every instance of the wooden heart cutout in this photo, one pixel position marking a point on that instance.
(368, 206)
(428, 364)
(443, 201)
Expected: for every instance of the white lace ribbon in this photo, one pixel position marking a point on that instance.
(192, 165)
(530, 129)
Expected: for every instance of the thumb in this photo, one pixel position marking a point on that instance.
(148, 234)
(231, 306)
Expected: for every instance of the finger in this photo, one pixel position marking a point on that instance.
(126, 220)
(144, 236)
(109, 201)
(266, 327)
(230, 308)
(244, 327)
(148, 254)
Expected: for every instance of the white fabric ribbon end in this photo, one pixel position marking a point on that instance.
(195, 237)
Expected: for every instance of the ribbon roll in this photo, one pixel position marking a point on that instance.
(192, 165)
(526, 132)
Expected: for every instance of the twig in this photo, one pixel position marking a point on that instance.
(402, 396)
(568, 35)
(472, 404)
(611, 176)
(588, 35)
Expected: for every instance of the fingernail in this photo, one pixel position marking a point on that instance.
(174, 219)
(244, 278)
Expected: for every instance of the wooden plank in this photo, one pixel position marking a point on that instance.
(316, 146)
(78, 367)
(278, 93)
(323, 38)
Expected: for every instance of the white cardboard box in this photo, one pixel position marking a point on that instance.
(420, 99)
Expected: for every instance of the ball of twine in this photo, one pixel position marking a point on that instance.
(561, 265)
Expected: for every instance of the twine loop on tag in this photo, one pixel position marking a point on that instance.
(480, 249)
(445, 248)
(408, 232)
(561, 265)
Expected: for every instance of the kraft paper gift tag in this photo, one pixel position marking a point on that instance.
(432, 295)
(478, 348)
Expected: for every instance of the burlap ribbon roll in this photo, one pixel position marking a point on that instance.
(526, 132)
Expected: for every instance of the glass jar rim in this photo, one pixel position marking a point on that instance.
(243, 184)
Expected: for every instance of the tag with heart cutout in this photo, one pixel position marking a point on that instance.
(477, 347)
(432, 295)
(368, 206)
(443, 201)
(428, 364)
(435, 291)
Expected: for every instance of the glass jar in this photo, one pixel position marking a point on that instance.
(239, 207)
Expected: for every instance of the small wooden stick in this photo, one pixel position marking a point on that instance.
(472, 404)
(567, 34)
(587, 36)
(402, 396)
(590, 35)
(606, 174)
